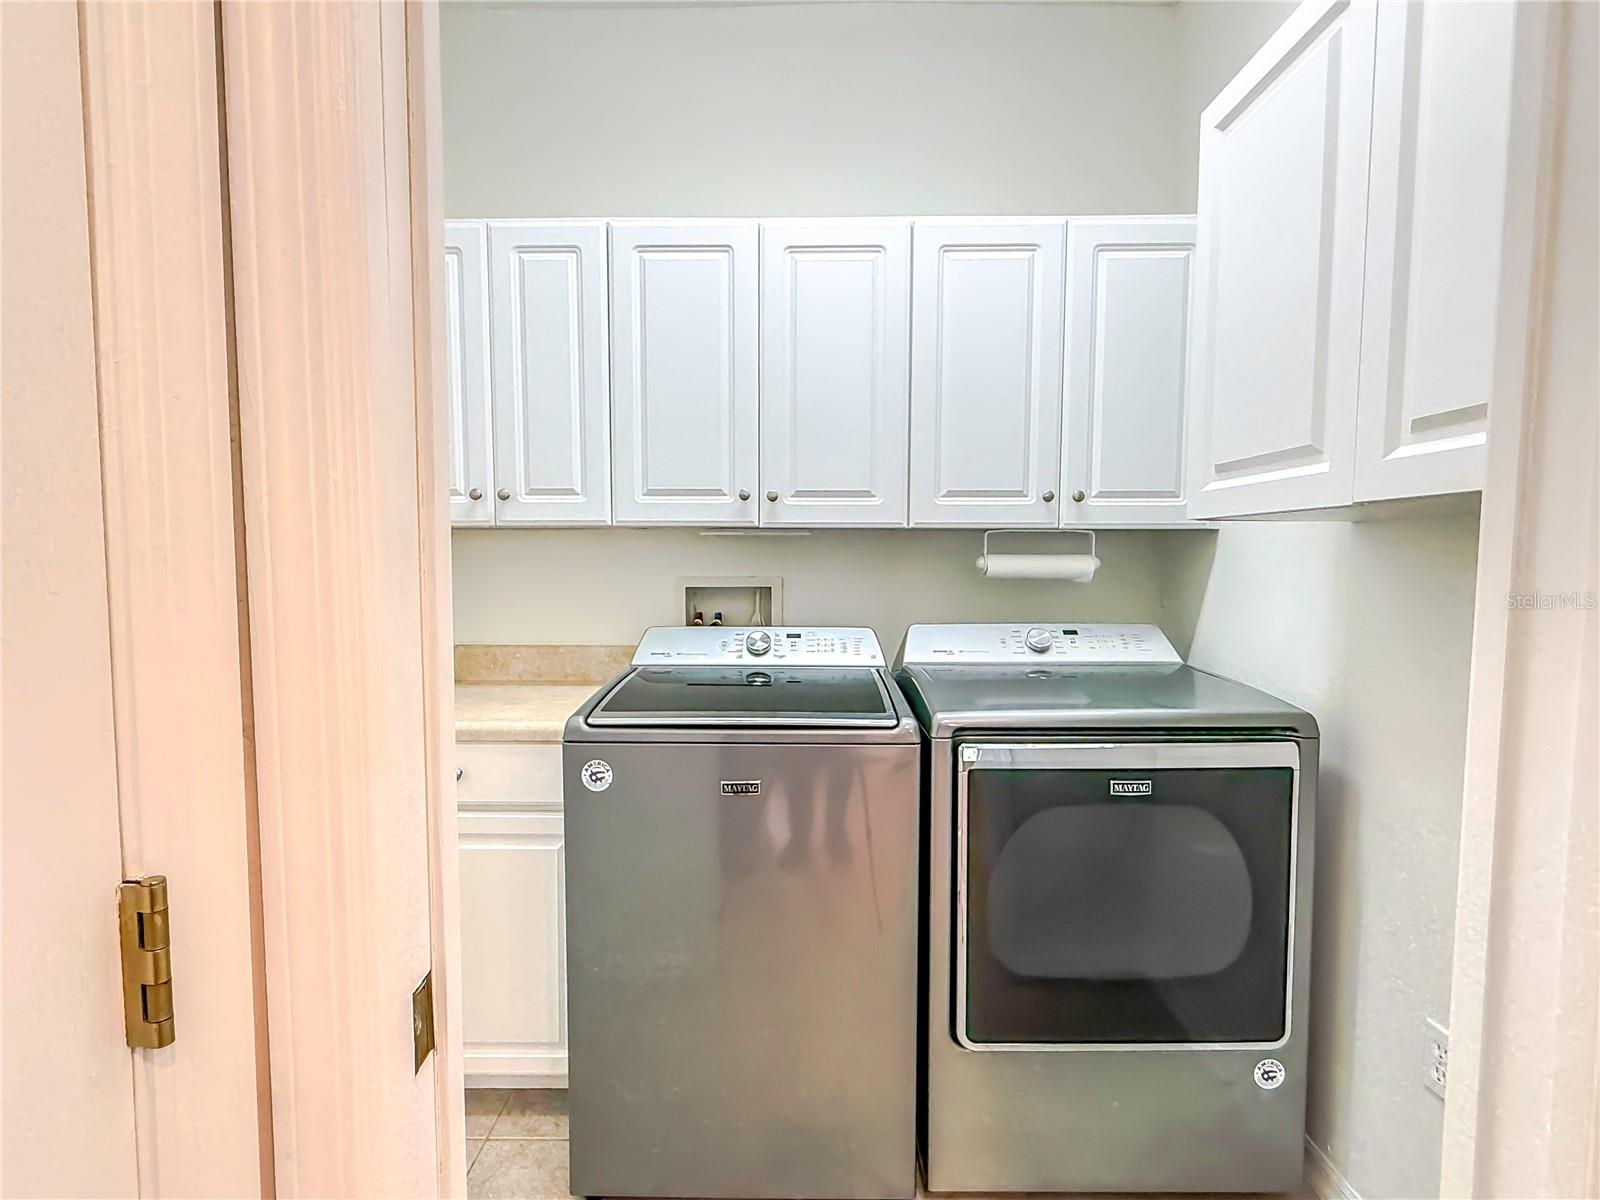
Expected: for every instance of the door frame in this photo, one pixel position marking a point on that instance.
(1522, 1106)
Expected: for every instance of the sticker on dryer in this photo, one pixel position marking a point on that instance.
(596, 775)
(1269, 1074)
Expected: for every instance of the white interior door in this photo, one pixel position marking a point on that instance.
(1128, 283)
(124, 735)
(467, 400)
(685, 377)
(986, 329)
(835, 372)
(552, 444)
(1277, 308)
(68, 1075)
(1438, 243)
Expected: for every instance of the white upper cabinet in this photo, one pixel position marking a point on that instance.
(835, 374)
(548, 298)
(685, 372)
(1277, 306)
(1440, 247)
(467, 400)
(986, 399)
(1128, 284)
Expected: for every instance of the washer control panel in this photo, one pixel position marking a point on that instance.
(794, 646)
(997, 645)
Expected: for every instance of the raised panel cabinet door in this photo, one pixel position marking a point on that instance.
(467, 398)
(552, 444)
(1448, 245)
(1277, 307)
(986, 329)
(1128, 284)
(835, 372)
(513, 953)
(685, 373)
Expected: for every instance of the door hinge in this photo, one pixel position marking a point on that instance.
(422, 1022)
(146, 961)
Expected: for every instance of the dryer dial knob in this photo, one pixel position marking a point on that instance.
(1037, 640)
(758, 642)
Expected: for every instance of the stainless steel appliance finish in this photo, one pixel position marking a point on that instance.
(742, 835)
(1119, 899)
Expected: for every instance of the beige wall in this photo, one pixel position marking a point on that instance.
(605, 586)
(1369, 627)
(811, 109)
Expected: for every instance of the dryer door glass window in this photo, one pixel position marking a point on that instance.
(1124, 895)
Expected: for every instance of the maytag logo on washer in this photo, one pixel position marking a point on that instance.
(1131, 787)
(741, 787)
(1269, 1073)
(596, 775)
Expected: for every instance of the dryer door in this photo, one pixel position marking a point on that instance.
(1132, 894)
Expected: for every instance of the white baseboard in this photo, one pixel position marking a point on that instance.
(514, 1081)
(1323, 1178)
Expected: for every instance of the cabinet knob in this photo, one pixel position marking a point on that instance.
(772, 497)
(744, 493)
(504, 493)
(475, 494)
(1077, 496)
(458, 774)
(1049, 497)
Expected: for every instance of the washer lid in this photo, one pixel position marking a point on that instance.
(748, 695)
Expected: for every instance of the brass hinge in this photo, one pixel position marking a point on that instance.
(422, 1022)
(146, 961)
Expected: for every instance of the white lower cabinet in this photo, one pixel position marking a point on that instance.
(513, 929)
(1122, 460)
(986, 331)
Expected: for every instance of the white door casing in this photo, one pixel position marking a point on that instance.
(467, 398)
(514, 1017)
(1438, 247)
(835, 372)
(1277, 303)
(685, 375)
(986, 333)
(552, 445)
(1128, 282)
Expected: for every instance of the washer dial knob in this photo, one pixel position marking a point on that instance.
(1037, 640)
(758, 642)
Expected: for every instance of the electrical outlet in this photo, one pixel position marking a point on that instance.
(1436, 1066)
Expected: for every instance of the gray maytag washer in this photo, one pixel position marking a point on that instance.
(1119, 914)
(742, 837)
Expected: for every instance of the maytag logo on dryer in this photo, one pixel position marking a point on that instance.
(1131, 787)
(741, 787)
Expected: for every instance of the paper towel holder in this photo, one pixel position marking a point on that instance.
(1090, 560)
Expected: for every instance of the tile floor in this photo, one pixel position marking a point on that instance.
(517, 1148)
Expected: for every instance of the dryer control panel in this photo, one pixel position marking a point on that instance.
(1019, 644)
(793, 646)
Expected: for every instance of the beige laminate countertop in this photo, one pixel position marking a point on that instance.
(517, 712)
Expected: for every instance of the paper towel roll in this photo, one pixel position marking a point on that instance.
(1072, 568)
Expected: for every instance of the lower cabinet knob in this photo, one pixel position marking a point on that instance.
(1077, 496)
(772, 497)
(504, 493)
(475, 494)
(744, 493)
(1049, 497)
